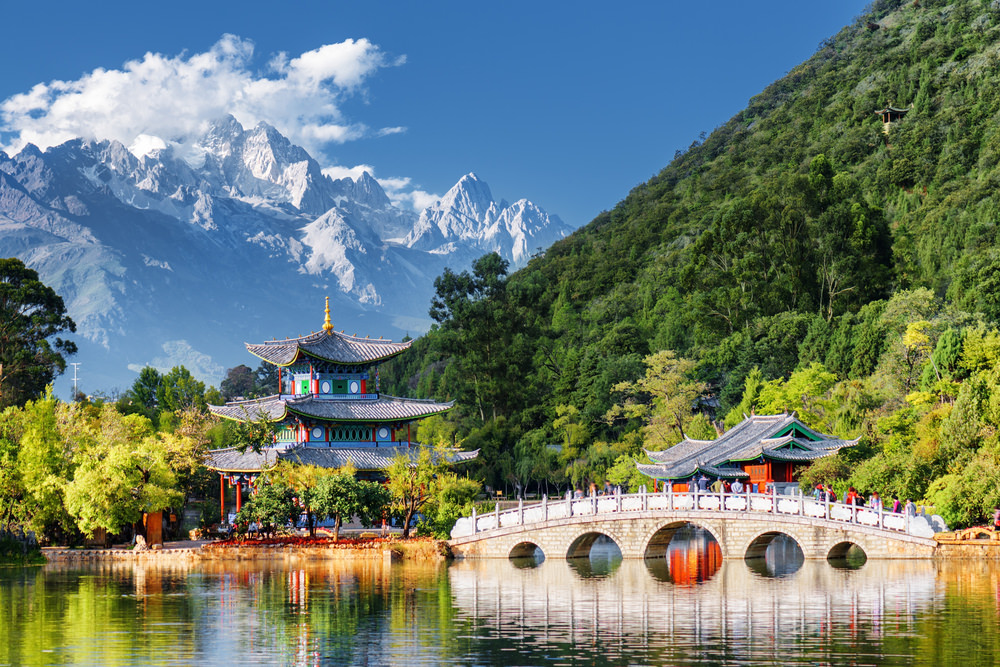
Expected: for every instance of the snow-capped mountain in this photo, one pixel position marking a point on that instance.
(468, 218)
(166, 258)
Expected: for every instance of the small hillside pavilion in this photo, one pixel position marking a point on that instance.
(890, 115)
(760, 450)
(328, 410)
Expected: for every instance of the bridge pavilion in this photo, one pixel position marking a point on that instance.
(328, 410)
(761, 449)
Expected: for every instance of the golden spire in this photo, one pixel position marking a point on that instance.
(327, 326)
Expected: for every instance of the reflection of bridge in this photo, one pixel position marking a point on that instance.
(643, 524)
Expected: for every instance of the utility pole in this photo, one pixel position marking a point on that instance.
(76, 366)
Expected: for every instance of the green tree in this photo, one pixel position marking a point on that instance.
(122, 470)
(271, 507)
(239, 382)
(31, 317)
(179, 390)
(342, 496)
(412, 479)
(663, 399)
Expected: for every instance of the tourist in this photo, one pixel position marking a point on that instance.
(818, 493)
(876, 502)
(910, 508)
(717, 486)
(897, 507)
(996, 517)
(578, 493)
(726, 486)
(702, 483)
(737, 486)
(852, 496)
(831, 494)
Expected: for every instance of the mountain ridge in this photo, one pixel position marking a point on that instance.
(130, 235)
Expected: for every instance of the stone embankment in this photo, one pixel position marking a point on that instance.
(209, 551)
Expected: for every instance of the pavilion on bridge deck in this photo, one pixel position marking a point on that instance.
(760, 450)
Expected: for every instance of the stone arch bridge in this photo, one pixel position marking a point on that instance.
(642, 526)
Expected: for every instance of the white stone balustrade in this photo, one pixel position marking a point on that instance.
(695, 502)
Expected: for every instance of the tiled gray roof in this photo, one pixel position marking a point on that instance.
(748, 440)
(336, 347)
(383, 408)
(362, 458)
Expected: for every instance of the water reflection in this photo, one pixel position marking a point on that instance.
(492, 612)
(602, 560)
(782, 557)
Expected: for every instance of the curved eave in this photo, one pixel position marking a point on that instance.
(363, 351)
(272, 407)
(387, 409)
(245, 462)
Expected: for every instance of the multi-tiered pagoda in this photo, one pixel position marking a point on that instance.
(328, 410)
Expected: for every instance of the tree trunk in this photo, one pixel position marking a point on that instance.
(406, 521)
(336, 529)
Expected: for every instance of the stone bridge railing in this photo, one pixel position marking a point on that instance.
(918, 525)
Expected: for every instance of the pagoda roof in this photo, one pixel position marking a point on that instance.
(329, 346)
(362, 458)
(776, 437)
(382, 409)
(892, 109)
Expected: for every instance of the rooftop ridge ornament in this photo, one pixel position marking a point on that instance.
(327, 325)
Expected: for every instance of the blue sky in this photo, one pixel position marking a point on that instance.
(567, 104)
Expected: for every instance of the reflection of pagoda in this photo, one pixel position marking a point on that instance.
(328, 410)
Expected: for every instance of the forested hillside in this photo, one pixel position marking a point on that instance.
(797, 258)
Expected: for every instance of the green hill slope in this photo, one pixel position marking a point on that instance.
(800, 247)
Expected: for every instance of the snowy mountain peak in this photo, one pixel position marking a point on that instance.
(147, 226)
(366, 190)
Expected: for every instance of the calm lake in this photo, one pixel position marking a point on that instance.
(690, 608)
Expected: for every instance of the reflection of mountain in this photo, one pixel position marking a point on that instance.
(166, 258)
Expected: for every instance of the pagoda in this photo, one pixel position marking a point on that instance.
(328, 410)
(760, 450)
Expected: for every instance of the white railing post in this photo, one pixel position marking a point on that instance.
(906, 521)
(670, 496)
(645, 500)
(545, 507)
(520, 511)
(618, 499)
(475, 521)
(695, 506)
(774, 498)
(496, 511)
(827, 505)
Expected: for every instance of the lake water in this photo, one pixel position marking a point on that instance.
(690, 608)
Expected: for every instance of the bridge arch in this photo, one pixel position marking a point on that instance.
(657, 541)
(525, 550)
(848, 551)
(757, 545)
(580, 546)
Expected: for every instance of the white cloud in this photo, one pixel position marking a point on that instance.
(174, 97)
(162, 100)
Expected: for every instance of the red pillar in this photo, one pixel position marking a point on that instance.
(239, 496)
(222, 498)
